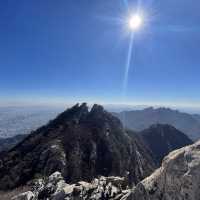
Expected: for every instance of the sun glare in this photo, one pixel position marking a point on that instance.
(135, 22)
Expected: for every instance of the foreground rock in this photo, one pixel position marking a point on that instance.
(177, 179)
(55, 188)
(82, 145)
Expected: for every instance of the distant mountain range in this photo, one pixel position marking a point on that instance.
(141, 119)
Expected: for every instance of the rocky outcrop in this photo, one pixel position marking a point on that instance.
(55, 188)
(177, 179)
(82, 145)
(162, 139)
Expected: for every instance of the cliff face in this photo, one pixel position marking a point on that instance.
(177, 179)
(80, 144)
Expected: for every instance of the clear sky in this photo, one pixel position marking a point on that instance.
(76, 50)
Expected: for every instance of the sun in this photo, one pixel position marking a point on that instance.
(135, 22)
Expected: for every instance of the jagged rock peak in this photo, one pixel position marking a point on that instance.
(98, 112)
(76, 112)
(97, 109)
(79, 111)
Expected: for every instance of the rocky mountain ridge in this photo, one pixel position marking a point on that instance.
(82, 145)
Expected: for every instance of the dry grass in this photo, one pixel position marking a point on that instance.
(7, 195)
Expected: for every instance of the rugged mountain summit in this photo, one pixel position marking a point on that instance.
(142, 119)
(162, 139)
(79, 143)
(177, 179)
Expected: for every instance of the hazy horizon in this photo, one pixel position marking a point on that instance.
(118, 107)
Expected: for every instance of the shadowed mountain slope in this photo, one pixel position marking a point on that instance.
(8, 143)
(162, 139)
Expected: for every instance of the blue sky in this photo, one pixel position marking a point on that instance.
(76, 50)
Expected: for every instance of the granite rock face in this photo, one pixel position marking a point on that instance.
(55, 188)
(177, 179)
(82, 145)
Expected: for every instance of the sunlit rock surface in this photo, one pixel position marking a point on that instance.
(55, 188)
(177, 179)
